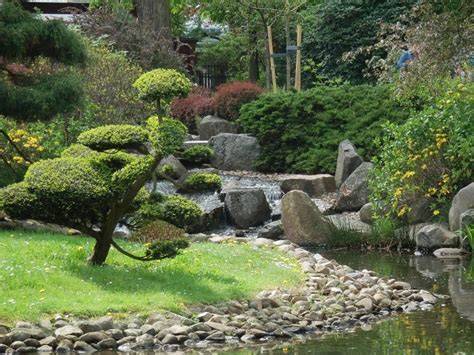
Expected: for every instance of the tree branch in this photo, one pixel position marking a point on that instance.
(130, 255)
(7, 137)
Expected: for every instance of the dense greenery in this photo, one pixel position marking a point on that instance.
(335, 28)
(198, 154)
(92, 186)
(300, 132)
(26, 94)
(428, 157)
(42, 274)
(203, 181)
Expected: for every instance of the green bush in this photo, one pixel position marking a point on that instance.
(203, 181)
(114, 137)
(301, 131)
(198, 154)
(428, 157)
(166, 135)
(77, 151)
(180, 211)
(18, 202)
(162, 249)
(162, 84)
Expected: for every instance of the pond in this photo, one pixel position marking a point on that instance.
(447, 329)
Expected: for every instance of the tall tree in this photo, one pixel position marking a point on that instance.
(155, 14)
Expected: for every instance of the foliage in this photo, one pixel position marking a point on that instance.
(203, 181)
(87, 188)
(198, 104)
(166, 135)
(198, 154)
(439, 34)
(205, 273)
(180, 211)
(162, 85)
(428, 157)
(114, 136)
(468, 234)
(143, 45)
(229, 98)
(26, 95)
(175, 209)
(107, 80)
(162, 249)
(231, 51)
(335, 28)
(300, 132)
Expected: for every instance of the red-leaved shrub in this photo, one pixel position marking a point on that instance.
(199, 103)
(229, 98)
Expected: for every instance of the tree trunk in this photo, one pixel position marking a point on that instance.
(155, 14)
(101, 250)
(254, 70)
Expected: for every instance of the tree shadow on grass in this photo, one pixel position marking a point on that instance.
(188, 284)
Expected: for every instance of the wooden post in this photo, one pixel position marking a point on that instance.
(272, 60)
(288, 40)
(299, 31)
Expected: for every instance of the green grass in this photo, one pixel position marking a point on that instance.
(44, 274)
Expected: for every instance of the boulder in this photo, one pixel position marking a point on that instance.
(178, 169)
(347, 161)
(247, 207)
(354, 192)
(69, 330)
(211, 126)
(234, 151)
(302, 221)
(435, 236)
(313, 185)
(349, 222)
(366, 213)
(273, 230)
(463, 201)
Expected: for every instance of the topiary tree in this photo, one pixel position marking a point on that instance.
(96, 183)
(160, 86)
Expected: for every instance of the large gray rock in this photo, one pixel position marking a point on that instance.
(273, 230)
(313, 185)
(420, 211)
(303, 223)
(178, 169)
(435, 236)
(463, 201)
(347, 161)
(211, 126)
(349, 222)
(234, 151)
(366, 213)
(354, 192)
(247, 207)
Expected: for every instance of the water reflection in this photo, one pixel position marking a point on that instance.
(447, 329)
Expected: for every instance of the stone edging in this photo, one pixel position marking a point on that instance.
(334, 298)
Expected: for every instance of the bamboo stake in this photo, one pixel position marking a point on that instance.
(272, 60)
(299, 31)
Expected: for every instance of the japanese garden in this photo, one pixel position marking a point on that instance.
(237, 176)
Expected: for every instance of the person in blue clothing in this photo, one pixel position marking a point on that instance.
(405, 58)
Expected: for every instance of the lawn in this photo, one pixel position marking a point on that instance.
(43, 274)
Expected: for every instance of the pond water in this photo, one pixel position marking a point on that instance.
(447, 329)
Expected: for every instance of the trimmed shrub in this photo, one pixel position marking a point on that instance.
(162, 84)
(198, 154)
(180, 211)
(114, 137)
(77, 151)
(189, 108)
(203, 182)
(166, 135)
(301, 131)
(162, 249)
(18, 202)
(229, 98)
(428, 157)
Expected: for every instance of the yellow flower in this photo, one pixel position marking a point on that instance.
(424, 167)
(398, 192)
(408, 174)
(435, 212)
